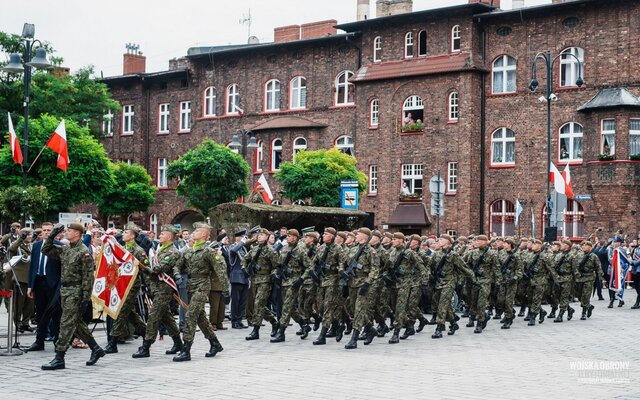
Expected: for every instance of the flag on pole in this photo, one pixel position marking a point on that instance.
(533, 223)
(519, 210)
(262, 187)
(16, 151)
(568, 187)
(58, 143)
(556, 178)
(116, 274)
(619, 267)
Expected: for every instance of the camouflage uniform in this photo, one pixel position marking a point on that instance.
(586, 271)
(510, 274)
(484, 263)
(407, 273)
(128, 311)
(290, 260)
(308, 291)
(538, 269)
(267, 260)
(564, 267)
(332, 301)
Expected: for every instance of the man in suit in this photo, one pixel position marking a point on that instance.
(239, 280)
(44, 287)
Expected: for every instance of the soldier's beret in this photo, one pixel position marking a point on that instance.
(415, 237)
(132, 227)
(342, 234)
(77, 227)
(567, 242)
(462, 239)
(15, 225)
(314, 235)
(388, 235)
(168, 228)
(447, 237)
(201, 225)
(330, 230)
(240, 233)
(511, 241)
(351, 234)
(221, 236)
(524, 239)
(377, 233)
(586, 243)
(365, 231)
(293, 232)
(423, 238)
(308, 229)
(264, 231)
(482, 237)
(555, 243)
(536, 241)
(26, 229)
(398, 235)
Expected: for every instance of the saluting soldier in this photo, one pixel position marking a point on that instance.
(588, 270)
(483, 262)
(564, 266)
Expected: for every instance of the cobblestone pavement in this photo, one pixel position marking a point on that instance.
(593, 359)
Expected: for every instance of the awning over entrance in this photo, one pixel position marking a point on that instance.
(411, 214)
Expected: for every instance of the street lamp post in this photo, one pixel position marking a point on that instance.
(16, 66)
(240, 141)
(549, 97)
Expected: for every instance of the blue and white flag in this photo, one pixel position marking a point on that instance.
(620, 265)
(519, 210)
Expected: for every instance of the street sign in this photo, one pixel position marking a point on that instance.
(349, 184)
(582, 197)
(67, 218)
(349, 198)
(435, 207)
(436, 185)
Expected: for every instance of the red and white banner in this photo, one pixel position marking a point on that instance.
(16, 151)
(262, 187)
(557, 179)
(116, 273)
(568, 187)
(58, 143)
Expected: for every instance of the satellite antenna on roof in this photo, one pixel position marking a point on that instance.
(246, 19)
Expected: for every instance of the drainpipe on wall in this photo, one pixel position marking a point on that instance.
(483, 106)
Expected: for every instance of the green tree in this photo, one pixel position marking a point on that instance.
(131, 192)
(30, 201)
(87, 179)
(316, 175)
(210, 174)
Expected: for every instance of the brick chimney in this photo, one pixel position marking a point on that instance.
(286, 33)
(134, 64)
(364, 8)
(393, 7)
(494, 3)
(318, 29)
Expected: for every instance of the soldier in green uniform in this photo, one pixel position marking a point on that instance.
(382, 309)
(76, 283)
(341, 313)
(552, 294)
(199, 262)
(521, 291)
(537, 271)
(128, 312)
(374, 289)
(167, 257)
(588, 269)
(483, 262)
(564, 266)
(308, 290)
(510, 274)
(261, 263)
(419, 285)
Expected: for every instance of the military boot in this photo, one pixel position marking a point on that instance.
(349, 328)
(422, 324)
(305, 330)
(570, 312)
(438, 332)
(590, 310)
(353, 343)
(433, 319)
(521, 312)
(177, 345)
(637, 303)
(559, 317)
(279, 337)
(317, 319)
(583, 317)
(371, 333)
(409, 330)
(507, 323)
(363, 334)
(532, 319)
(255, 333)
(543, 314)
(498, 314)
(621, 303)
(395, 338)
(339, 332)
(528, 317)
(143, 351)
(322, 338)
(112, 345)
(480, 326)
(56, 363)
(383, 330)
(215, 348)
(332, 331)
(96, 352)
(274, 327)
(453, 327)
(185, 353)
(552, 314)
(465, 312)
(471, 322)
(300, 331)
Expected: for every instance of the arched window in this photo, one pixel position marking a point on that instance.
(298, 93)
(455, 38)
(257, 157)
(344, 88)
(422, 43)
(504, 74)
(569, 66)
(153, 223)
(413, 111)
(299, 145)
(454, 106)
(233, 100)
(503, 147)
(570, 219)
(276, 154)
(210, 95)
(571, 142)
(374, 113)
(502, 218)
(345, 144)
(377, 49)
(408, 45)
(272, 95)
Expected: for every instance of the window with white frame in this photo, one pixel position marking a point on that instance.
(163, 118)
(276, 154)
(127, 119)
(453, 233)
(185, 116)
(408, 45)
(452, 177)
(298, 93)
(272, 94)
(233, 100)
(608, 142)
(107, 123)
(373, 179)
(257, 157)
(210, 97)
(422, 43)
(377, 49)
(455, 38)
(299, 145)
(162, 173)
(345, 144)
(503, 147)
(504, 75)
(153, 223)
(344, 88)
(413, 110)
(502, 218)
(374, 113)
(570, 67)
(454, 106)
(571, 135)
(634, 137)
(412, 179)
(570, 220)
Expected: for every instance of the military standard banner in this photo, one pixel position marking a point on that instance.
(116, 273)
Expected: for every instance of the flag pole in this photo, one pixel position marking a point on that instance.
(36, 159)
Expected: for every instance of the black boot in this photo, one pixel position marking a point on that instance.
(185, 353)
(532, 319)
(255, 333)
(317, 319)
(590, 310)
(279, 337)
(507, 323)
(215, 348)
(96, 352)
(570, 313)
(383, 330)
(465, 312)
(36, 346)
(543, 314)
(433, 319)
(552, 314)
(177, 345)
(353, 343)
(322, 338)
(409, 330)
(305, 330)
(438, 332)
(143, 351)
(583, 317)
(498, 314)
(480, 326)
(112, 345)
(275, 325)
(521, 312)
(611, 303)
(332, 331)
(339, 331)
(56, 363)
(300, 331)
(395, 338)
(363, 334)
(621, 303)
(371, 333)
(637, 303)
(471, 322)
(349, 328)
(559, 317)
(422, 324)
(453, 328)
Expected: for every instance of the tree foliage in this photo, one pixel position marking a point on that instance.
(131, 192)
(30, 201)
(316, 175)
(210, 174)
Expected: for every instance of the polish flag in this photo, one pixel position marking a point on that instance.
(262, 187)
(16, 152)
(557, 179)
(568, 187)
(58, 143)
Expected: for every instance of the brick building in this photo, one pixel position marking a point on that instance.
(411, 94)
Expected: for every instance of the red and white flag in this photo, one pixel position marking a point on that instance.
(16, 151)
(557, 179)
(58, 143)
(568, 187)
(262, 187)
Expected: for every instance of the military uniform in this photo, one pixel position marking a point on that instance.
(564, 267)
(328, 258)
(484, 264)
(588, 269)
(510, 274)
(291, 270)
(23, 306)
(219, 291)
(308, 290)
(537, 271)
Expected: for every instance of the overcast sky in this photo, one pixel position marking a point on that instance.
(88, 32)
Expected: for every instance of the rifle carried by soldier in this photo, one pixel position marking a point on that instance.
(319, 269)
(350, 270)
(397, 271)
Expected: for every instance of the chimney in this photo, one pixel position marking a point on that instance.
(494, 3)
(286, 33)
(318, 29)
(393, 7)
(134, 62)
(517, 4)
(363, 10)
